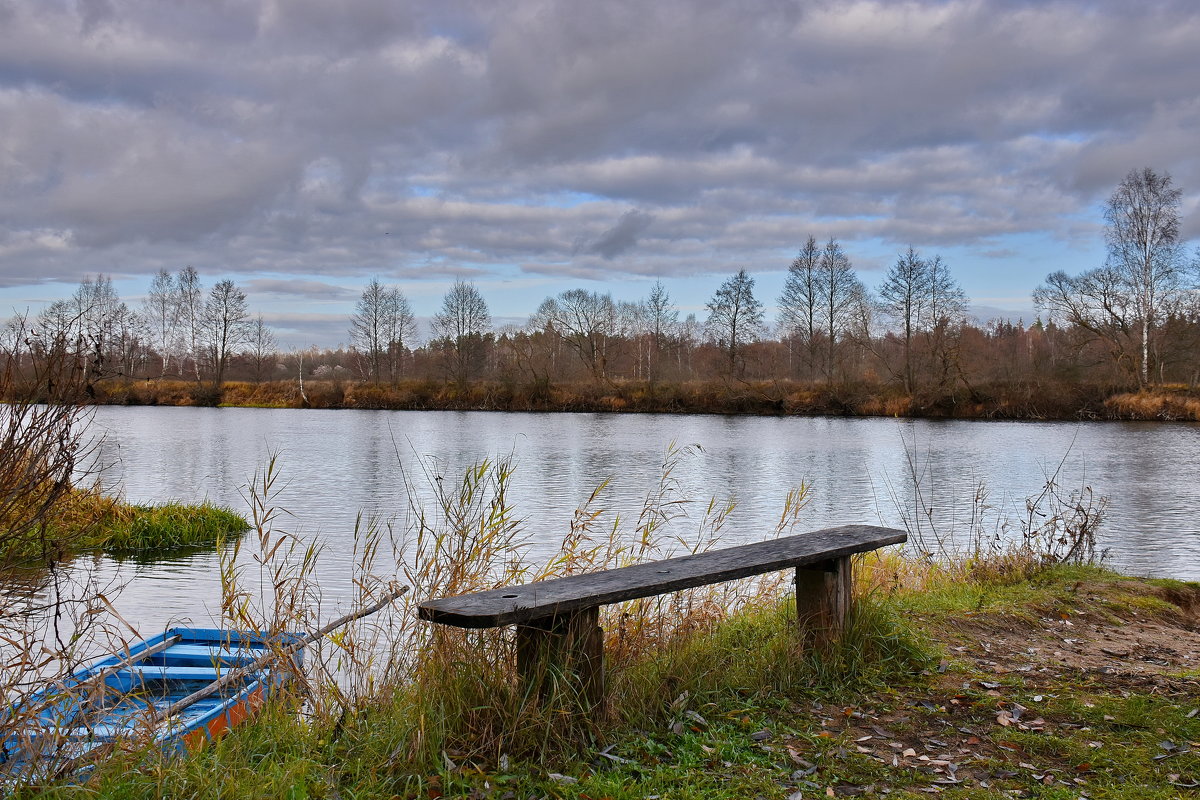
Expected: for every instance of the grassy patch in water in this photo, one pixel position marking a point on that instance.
(90, 521)
(169, 526)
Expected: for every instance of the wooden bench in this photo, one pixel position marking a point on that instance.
(558, 620)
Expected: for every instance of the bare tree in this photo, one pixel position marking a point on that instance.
(97, 323)
(400, 332)
(586, 321)
(943, 320)
(1142, 234)
(800, 302)
(160, 310)
(461, 325)
(662, 321)
(1124, 302)
(43, 443)
(370, 324)
(262, 349)
(225, 325)
(191, 318)
(902, 294)
(838, 288)
(1096, 304)
(735, 317)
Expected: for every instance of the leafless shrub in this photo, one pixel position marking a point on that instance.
(54, 614)
(1053, 526)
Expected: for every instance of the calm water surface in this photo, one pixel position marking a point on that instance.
(338, 463)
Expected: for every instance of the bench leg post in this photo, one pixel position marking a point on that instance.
(569, 646)
(823, 598)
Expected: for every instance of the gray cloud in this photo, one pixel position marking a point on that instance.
(315, 290)
(618, 239)
(454, 139)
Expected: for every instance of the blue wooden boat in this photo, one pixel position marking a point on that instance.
(178, 690)
(182, 688)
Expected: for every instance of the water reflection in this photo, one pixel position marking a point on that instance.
(337, 463)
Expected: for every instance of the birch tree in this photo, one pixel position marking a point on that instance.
(160, 310)
(1142, 281)
(191, 313)
(1142, 234)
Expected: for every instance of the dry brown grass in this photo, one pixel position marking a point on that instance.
(1164, 403)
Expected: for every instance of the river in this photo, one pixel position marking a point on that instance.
(336, 464)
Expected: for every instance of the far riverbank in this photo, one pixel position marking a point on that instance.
(761, 398)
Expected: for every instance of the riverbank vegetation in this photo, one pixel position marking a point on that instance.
(1013, 667)
(1115, 342)
(1175, 402)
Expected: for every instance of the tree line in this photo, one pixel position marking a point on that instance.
(1133, 321)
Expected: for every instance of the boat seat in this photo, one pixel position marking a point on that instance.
(212, 653)
(174, 673)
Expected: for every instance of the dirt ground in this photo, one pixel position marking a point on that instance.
(1022, 699)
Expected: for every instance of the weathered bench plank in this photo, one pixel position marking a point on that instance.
(519, 605)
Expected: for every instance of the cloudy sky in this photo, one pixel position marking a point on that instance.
(301, 147)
